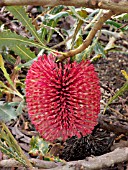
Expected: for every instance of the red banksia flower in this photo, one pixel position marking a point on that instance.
(63, 99)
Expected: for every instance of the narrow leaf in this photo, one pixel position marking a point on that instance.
(57, 16)
(20, 14)
(5, 71)
(118, 93)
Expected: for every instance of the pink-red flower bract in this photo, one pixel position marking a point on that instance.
(63, 99)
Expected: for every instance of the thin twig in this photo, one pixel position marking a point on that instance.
(97, 26)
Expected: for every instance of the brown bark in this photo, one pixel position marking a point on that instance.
(90, 163)
(97, 26)
(114, 5)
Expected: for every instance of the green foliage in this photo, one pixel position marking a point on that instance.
(39, 147)
(116, 25)
(99, 50)
(121, 17)
(10, 147)
(80, 13)
(120, 92)
(4, 71)
(13, 89)
(12, 39)
(10, 111)
(95, 47)
(20, 14)
(27, 64)
(49, 22)
(17, 42)
(24, 52)
(7, 113)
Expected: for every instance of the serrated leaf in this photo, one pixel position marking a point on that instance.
(25, 53)
(7, 113)
(20, 14)
(11, 39)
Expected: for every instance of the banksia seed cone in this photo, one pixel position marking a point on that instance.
(63, 99)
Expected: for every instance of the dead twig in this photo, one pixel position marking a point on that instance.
(90, 163)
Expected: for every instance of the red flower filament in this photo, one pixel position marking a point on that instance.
(63, 99)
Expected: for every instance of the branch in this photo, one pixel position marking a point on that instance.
(90, 163)
(115, 123)
(114, 5)
(97, 26)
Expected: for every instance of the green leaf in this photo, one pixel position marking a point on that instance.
(56, 16)
(9, 57)
(118, 93)
(20, 13)
(19, 105)
(6, 75)
(38, 145)
(28, 64)
(11, 39)
(9, 146)
(3, 86)
(57, 9)
(7, 113)
(123, 16)
(5, 71)
(24, 52)
(8, 151)
(125, 74)
(80, 15)
(99, 50)
(115, 24)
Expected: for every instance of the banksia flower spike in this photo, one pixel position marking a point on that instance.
(63, 99)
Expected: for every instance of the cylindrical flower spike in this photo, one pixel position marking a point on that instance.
(63, 99)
